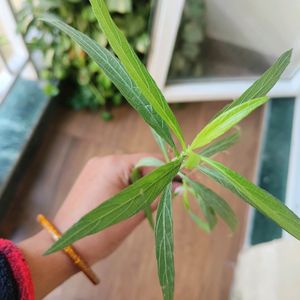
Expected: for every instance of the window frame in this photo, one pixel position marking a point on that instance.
(20, 59)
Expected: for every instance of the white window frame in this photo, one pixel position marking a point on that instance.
(293, 189)
(163, 40)
(20, 60)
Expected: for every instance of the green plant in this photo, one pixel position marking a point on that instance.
(188, 57)
(137, 86)
(81, 82)
(2, 40)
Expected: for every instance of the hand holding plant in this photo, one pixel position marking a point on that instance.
(96, 182)
(135, 83)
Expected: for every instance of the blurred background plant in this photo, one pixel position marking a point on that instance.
(2, 40)
(187, 57)
(67, 70)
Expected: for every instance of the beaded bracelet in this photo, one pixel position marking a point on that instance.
(69, 250)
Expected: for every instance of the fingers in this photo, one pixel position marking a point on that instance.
(133, 159)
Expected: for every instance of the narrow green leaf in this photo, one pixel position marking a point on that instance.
(254, 195)
(135, 175)
(162, 145)
(207, 210)
(121, 206)
(118, 75)
(213, 200)
(200, 223)
(149, 216)
(208, 213)
(149, 162)
(221, 145)
(164, 244)
(185, 196)
(265, 83)
(135, 67)
(225, 121)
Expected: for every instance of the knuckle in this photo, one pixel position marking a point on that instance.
(94, 161)
(111, 159)
(103, 160)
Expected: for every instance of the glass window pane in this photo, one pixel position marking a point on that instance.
(2, 66)
(188, 52)
(233, 38)
(6, 80)
(5, 45)
(17, 4)
(13, 47)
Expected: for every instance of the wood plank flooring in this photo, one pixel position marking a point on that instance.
(204, 263)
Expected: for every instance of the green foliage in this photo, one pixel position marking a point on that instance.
(221, 145)
(205, 226)
(188, 55)
(255, 196)
(162, 145)
(118, 75)
(225, 121)
(208, 212)
(106, 116)
(50, 89)
(135, 68)
(164, 243)
(129, 74)
(128, 202)
(3, 40)
(192, 161)
(135, 175)
(212, 203)
(86, 84)
(265, 83)
(149, 162)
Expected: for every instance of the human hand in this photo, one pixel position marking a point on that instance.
(100, 179)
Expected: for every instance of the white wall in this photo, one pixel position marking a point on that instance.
(267, 26)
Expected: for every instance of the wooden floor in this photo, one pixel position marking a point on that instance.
(204, 263)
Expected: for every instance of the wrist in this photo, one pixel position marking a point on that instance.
(88, 248)
(47, 272)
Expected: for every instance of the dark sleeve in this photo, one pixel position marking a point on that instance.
(15, 277)
(8, 285)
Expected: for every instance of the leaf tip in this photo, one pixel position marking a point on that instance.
(49, 251)
(47, 17)
(54, 248)
(289, 53)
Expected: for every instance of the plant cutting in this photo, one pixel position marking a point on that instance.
(132, 79)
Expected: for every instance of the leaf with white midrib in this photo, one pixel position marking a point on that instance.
(218, 204)
(118, 75)
(125, 204)
(164, 244)
(263, 84)
(161, 144)
(221, 145)
(226, 121)
(254, 195)
(135, 67)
